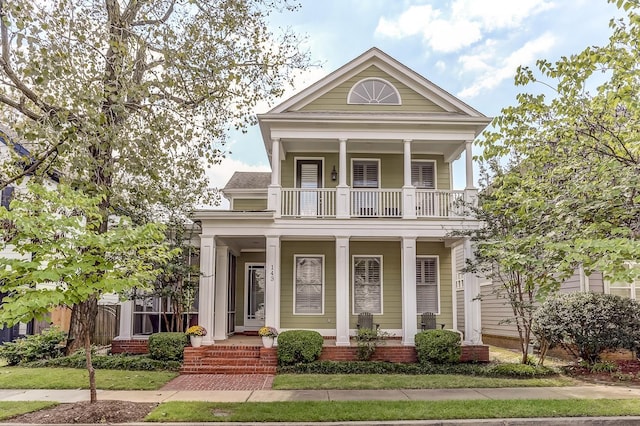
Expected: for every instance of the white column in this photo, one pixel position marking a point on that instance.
(272, 285)
(126, 320)
(409, 309)
(408, 190)
(273, 192)
(221, 296)
(207, 286)
(472, 315)
(342, 291)
(342, 190)
(469, 164)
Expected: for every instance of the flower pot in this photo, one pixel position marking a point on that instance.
(267, 341)
(196, 341)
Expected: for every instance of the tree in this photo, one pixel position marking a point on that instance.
(508, 249)
(131, 99)
(67, 259)
(574, 144)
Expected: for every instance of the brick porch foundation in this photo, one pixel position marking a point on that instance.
(134, 347)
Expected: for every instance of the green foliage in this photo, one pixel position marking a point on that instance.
(378, 367)
(604, 367)
(585, 324)
(367, 340)
(109, 362)
(299, 346)
(438, 346)
(45, 345)
(67, 259)
(167, 346)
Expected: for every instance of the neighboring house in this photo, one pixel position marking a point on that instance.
(354, 217)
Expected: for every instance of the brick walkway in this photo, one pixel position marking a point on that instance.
(220, 382)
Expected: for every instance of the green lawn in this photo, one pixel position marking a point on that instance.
(338, 411)
(402, 381)
(73, 378)
(13, 408)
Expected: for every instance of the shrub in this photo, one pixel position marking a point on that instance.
(298, 346)
(518, 370)
(167, 346)
(368, 340)
(110, 362)
(586, 324)
(47, 344)
(438, 346)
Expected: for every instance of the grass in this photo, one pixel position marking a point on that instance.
(339, 411)
(403, 381)
(14, 408)
(72, 378)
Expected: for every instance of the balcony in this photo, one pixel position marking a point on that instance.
(371, 203)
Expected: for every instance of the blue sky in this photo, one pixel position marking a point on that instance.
(470, 48)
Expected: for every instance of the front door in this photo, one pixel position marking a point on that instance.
(254, 303)
(309, 176)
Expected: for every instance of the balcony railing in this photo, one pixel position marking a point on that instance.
(436, 203)
(369, 203)
(302, 202)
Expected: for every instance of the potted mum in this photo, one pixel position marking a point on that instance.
(195, 333)
(268, 334)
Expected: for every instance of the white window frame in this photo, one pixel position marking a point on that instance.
(353, 282)
(437, 258)
(377, 160)
(435, 172)
(382, 80)
(295, 265)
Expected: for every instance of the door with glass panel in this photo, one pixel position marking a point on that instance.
(254, 296)
(309, 176)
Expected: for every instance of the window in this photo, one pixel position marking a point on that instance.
(309, 285)
(427, 289)
(365, 174)
(373, 91)
(153, 314)
(423, 174)
(367, 284)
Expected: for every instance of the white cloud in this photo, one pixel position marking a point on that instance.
(496, 71)
(461, 25)
(441, 66)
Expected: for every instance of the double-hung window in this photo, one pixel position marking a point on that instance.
(427, 288)
(367, 284)
(309, 285)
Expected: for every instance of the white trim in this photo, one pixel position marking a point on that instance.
(454, 292)
(437, 258)
(388, 83)
(295, 169)
(354, 159)
(353, 283)
(245, 302)
(435, 170)
(295, 265)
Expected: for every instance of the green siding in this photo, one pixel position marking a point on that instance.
(391, 280)
(336, 99)
(391, 168)
(287, 251)
(444, 259)
(249, 204)
(242, 260)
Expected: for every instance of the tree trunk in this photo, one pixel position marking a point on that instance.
(90, 369)
(83, 322)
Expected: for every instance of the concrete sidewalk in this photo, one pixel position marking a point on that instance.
(567, 392)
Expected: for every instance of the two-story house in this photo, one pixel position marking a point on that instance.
(354, 217)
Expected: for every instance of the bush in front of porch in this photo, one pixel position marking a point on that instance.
(299, 346)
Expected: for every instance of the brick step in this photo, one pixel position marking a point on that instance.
(222, 369)
(213, 353)
(234, 361)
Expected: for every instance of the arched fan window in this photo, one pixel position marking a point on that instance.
(374, 91)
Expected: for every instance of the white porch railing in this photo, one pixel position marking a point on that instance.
(438, 203)
(303, 202)
(376, 202)
(363, 203)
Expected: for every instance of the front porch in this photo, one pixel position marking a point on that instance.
(242, 354)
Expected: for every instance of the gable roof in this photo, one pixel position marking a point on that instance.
(389, 65)
(248, 180)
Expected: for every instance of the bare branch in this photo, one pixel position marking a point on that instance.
(35, 165)
(162, 20)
